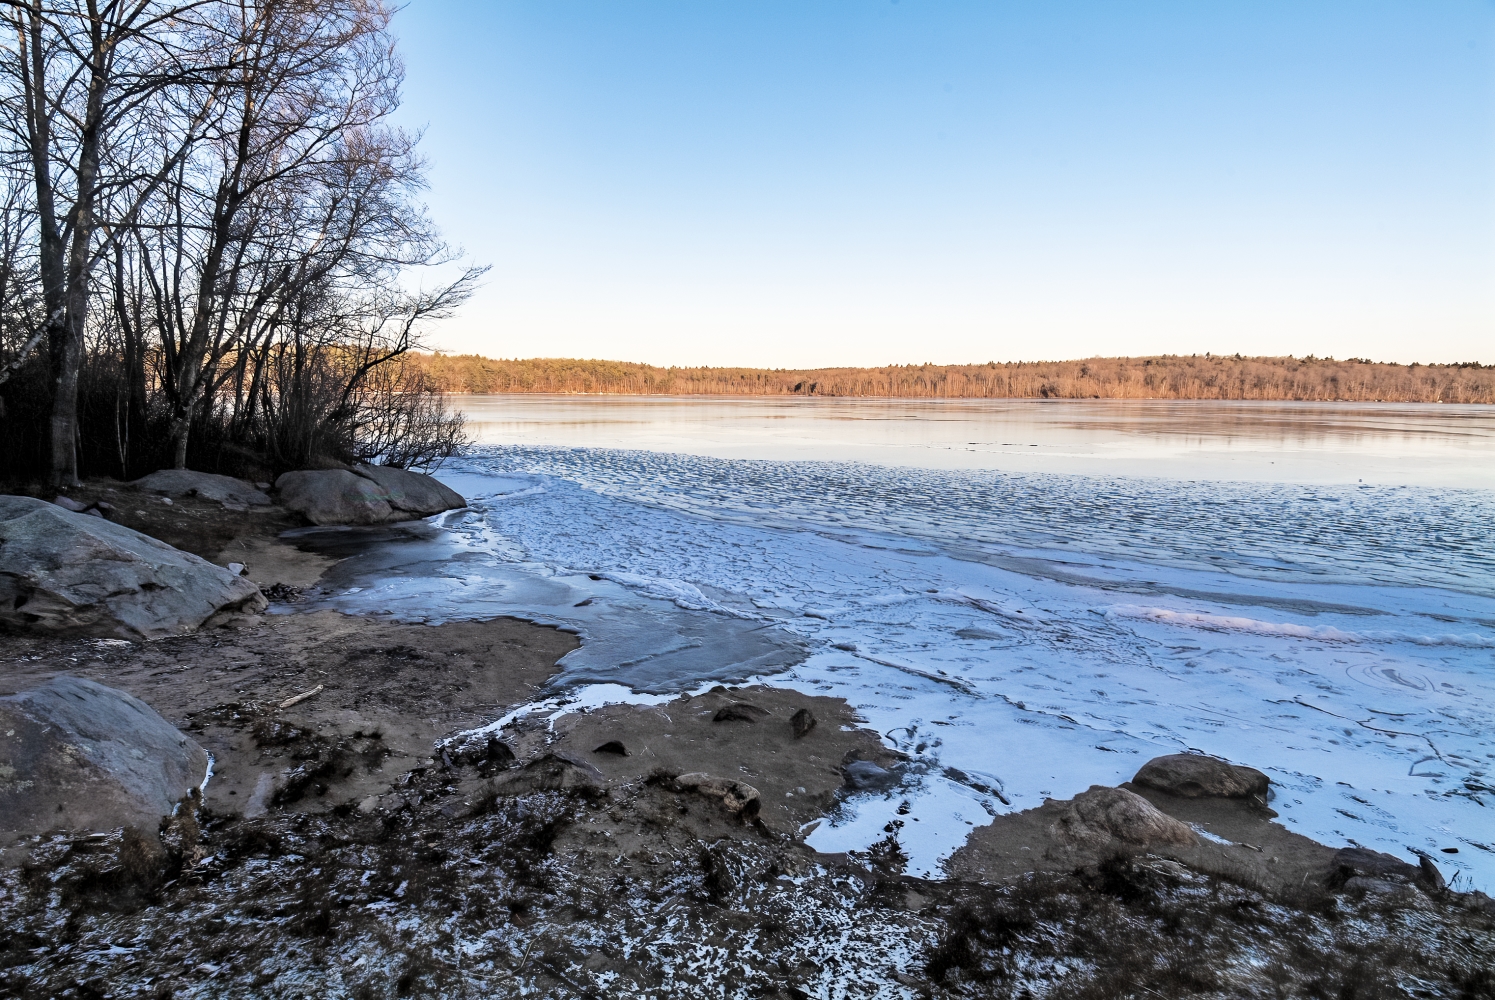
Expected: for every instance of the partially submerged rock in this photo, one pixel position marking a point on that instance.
(77, 755)
(368, 494)
(1102, 814)
(66, 572)
(1195, 776)
(865, 776)
(235, 494)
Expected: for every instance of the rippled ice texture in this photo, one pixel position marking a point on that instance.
(1026, 636)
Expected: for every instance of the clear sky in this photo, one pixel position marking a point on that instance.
(788, 183)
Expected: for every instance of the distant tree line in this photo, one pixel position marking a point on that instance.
(208, 225)
(1167, 377)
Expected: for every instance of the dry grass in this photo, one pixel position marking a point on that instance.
(1166, 377)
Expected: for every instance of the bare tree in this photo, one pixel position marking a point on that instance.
(232, 168)
(79, 74)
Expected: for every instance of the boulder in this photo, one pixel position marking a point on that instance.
(1362, 862)
(75, 755)
(235, 494)
(66, 572)
(1195, 776)
(336, 496)
(412, 492)
(1101, 814)
(368, 494)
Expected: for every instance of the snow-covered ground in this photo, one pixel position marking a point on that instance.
(1021, 636)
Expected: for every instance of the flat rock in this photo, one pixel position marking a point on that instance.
(232, 493)
(1195, 776)
(77, 755)
(412, 492)
(66, 572)
(1102, 813)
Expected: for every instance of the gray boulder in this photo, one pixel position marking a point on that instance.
(66, 572)
(336, 496)
(1101, 814)
(413, 492)
(236, 494)
(1195, 776)
(78, 755)
(369, 494)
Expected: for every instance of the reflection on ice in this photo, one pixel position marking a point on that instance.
(1018, 637)
(421, 572)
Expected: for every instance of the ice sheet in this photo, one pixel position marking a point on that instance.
(1020, 636)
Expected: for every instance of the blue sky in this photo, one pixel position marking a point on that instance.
(814, 183)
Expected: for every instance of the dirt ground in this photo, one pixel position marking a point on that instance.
(380, 838)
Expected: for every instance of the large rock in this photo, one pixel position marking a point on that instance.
(235, 494)
(413, 492)
(66, 572)
(371, 494)
(1195, 776)
(335, 496)
(1101, 814)
(78, 755)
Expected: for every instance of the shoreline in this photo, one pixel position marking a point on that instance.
(352, 843)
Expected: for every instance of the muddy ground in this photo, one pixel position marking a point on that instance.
(379, 838)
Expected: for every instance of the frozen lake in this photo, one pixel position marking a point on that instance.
(1306, 589)
(1387, 443)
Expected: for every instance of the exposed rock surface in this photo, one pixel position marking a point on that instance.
(1195, 776)
(75, 754)
(232, 493)
(66, 572)
(1102, 814)
(366, 495)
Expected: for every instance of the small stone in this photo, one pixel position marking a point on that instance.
(738, 797)
(802, 722)
(236, 568)
(68, 503)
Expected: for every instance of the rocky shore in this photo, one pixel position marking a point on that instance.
(367, 830)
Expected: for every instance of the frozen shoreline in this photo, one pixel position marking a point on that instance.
(1033, 673)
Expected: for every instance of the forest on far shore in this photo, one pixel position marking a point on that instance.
(1165, 377)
